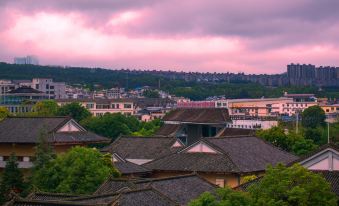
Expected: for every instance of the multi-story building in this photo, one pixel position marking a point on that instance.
(6, 86)
(26, 60)
(99, 107)
(54, 90)
(22, 99)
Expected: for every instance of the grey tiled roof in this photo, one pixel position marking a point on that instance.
(181, 189)
(126, 168)
(28, 129)
(49, 196)
(241, 154)
(168, 130)
(201, 115)
(142, 147)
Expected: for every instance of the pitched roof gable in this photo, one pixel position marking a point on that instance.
(28, 129)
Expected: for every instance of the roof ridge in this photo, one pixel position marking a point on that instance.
(38, 117)
(146, 137)
(166, 178)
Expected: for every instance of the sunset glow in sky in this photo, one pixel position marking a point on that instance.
(251, 36)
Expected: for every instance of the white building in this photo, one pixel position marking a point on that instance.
(55, 90)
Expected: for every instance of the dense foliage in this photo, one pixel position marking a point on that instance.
(45, 108)
(11, 179)
(293, 185)
(114, 125)
(79, 171)
(151, 93)
(74, 110)
(3, 113)
(280, 186)
(313, 117)
(290, 141)
(222, 197)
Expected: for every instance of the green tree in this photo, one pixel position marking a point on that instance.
(4, 113)
(290, 142)
(46, 108)
(151, 93)
(293, 185)
(112, 125)
(316, 135)
(79, 171)
(44, 154)
(11, 179)
(74, 110)
(222, 197)
(313, 117)
(148, 128)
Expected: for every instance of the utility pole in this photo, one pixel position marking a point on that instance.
(297, 123)
(328, 132)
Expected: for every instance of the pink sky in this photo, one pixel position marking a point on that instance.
(251, 36)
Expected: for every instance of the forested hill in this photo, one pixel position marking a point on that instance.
(76, 75)
(123, 78)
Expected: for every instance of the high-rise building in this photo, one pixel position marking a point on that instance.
(26, 60)
(55, 90)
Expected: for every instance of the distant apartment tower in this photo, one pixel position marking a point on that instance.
(26, 60)
(307, 74)
(55, 90)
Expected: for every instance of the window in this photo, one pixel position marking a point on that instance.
(220, 182)
(47, 86)
(26, 159)
(113, 106)
(89, 105)
(127, 106)
(37, 86)
(51, 87)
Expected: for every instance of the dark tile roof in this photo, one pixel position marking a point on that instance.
(168, 130)
(226, 132)
(138, 197)
(250, 153)
(128, 168)
(142, 147)
(28, 129)
(332, 177)
(25, 202)
(241, 154)
(25, 90)
(113, 185)
(201, 115)
(49, 196)
(181, 189)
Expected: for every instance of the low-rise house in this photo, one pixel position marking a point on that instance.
(323, 161)
(179, 190)
(221, 160)
(140, 150)
(20, 135)
(194, 123)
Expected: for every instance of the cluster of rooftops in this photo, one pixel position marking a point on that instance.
(192, 153)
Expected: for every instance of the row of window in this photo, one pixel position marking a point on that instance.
(107, 106)
(19, 158)
(258, 126)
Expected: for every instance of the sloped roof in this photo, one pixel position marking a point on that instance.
(28, 129)
(49, 196)
(199, 115)
(240, 154)
(127, 168)
(168, 130)
(133, 147)
(226, 132)
(26, 202)
(250, 153)
(181, 189)
(25, 90)
(137, 197)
